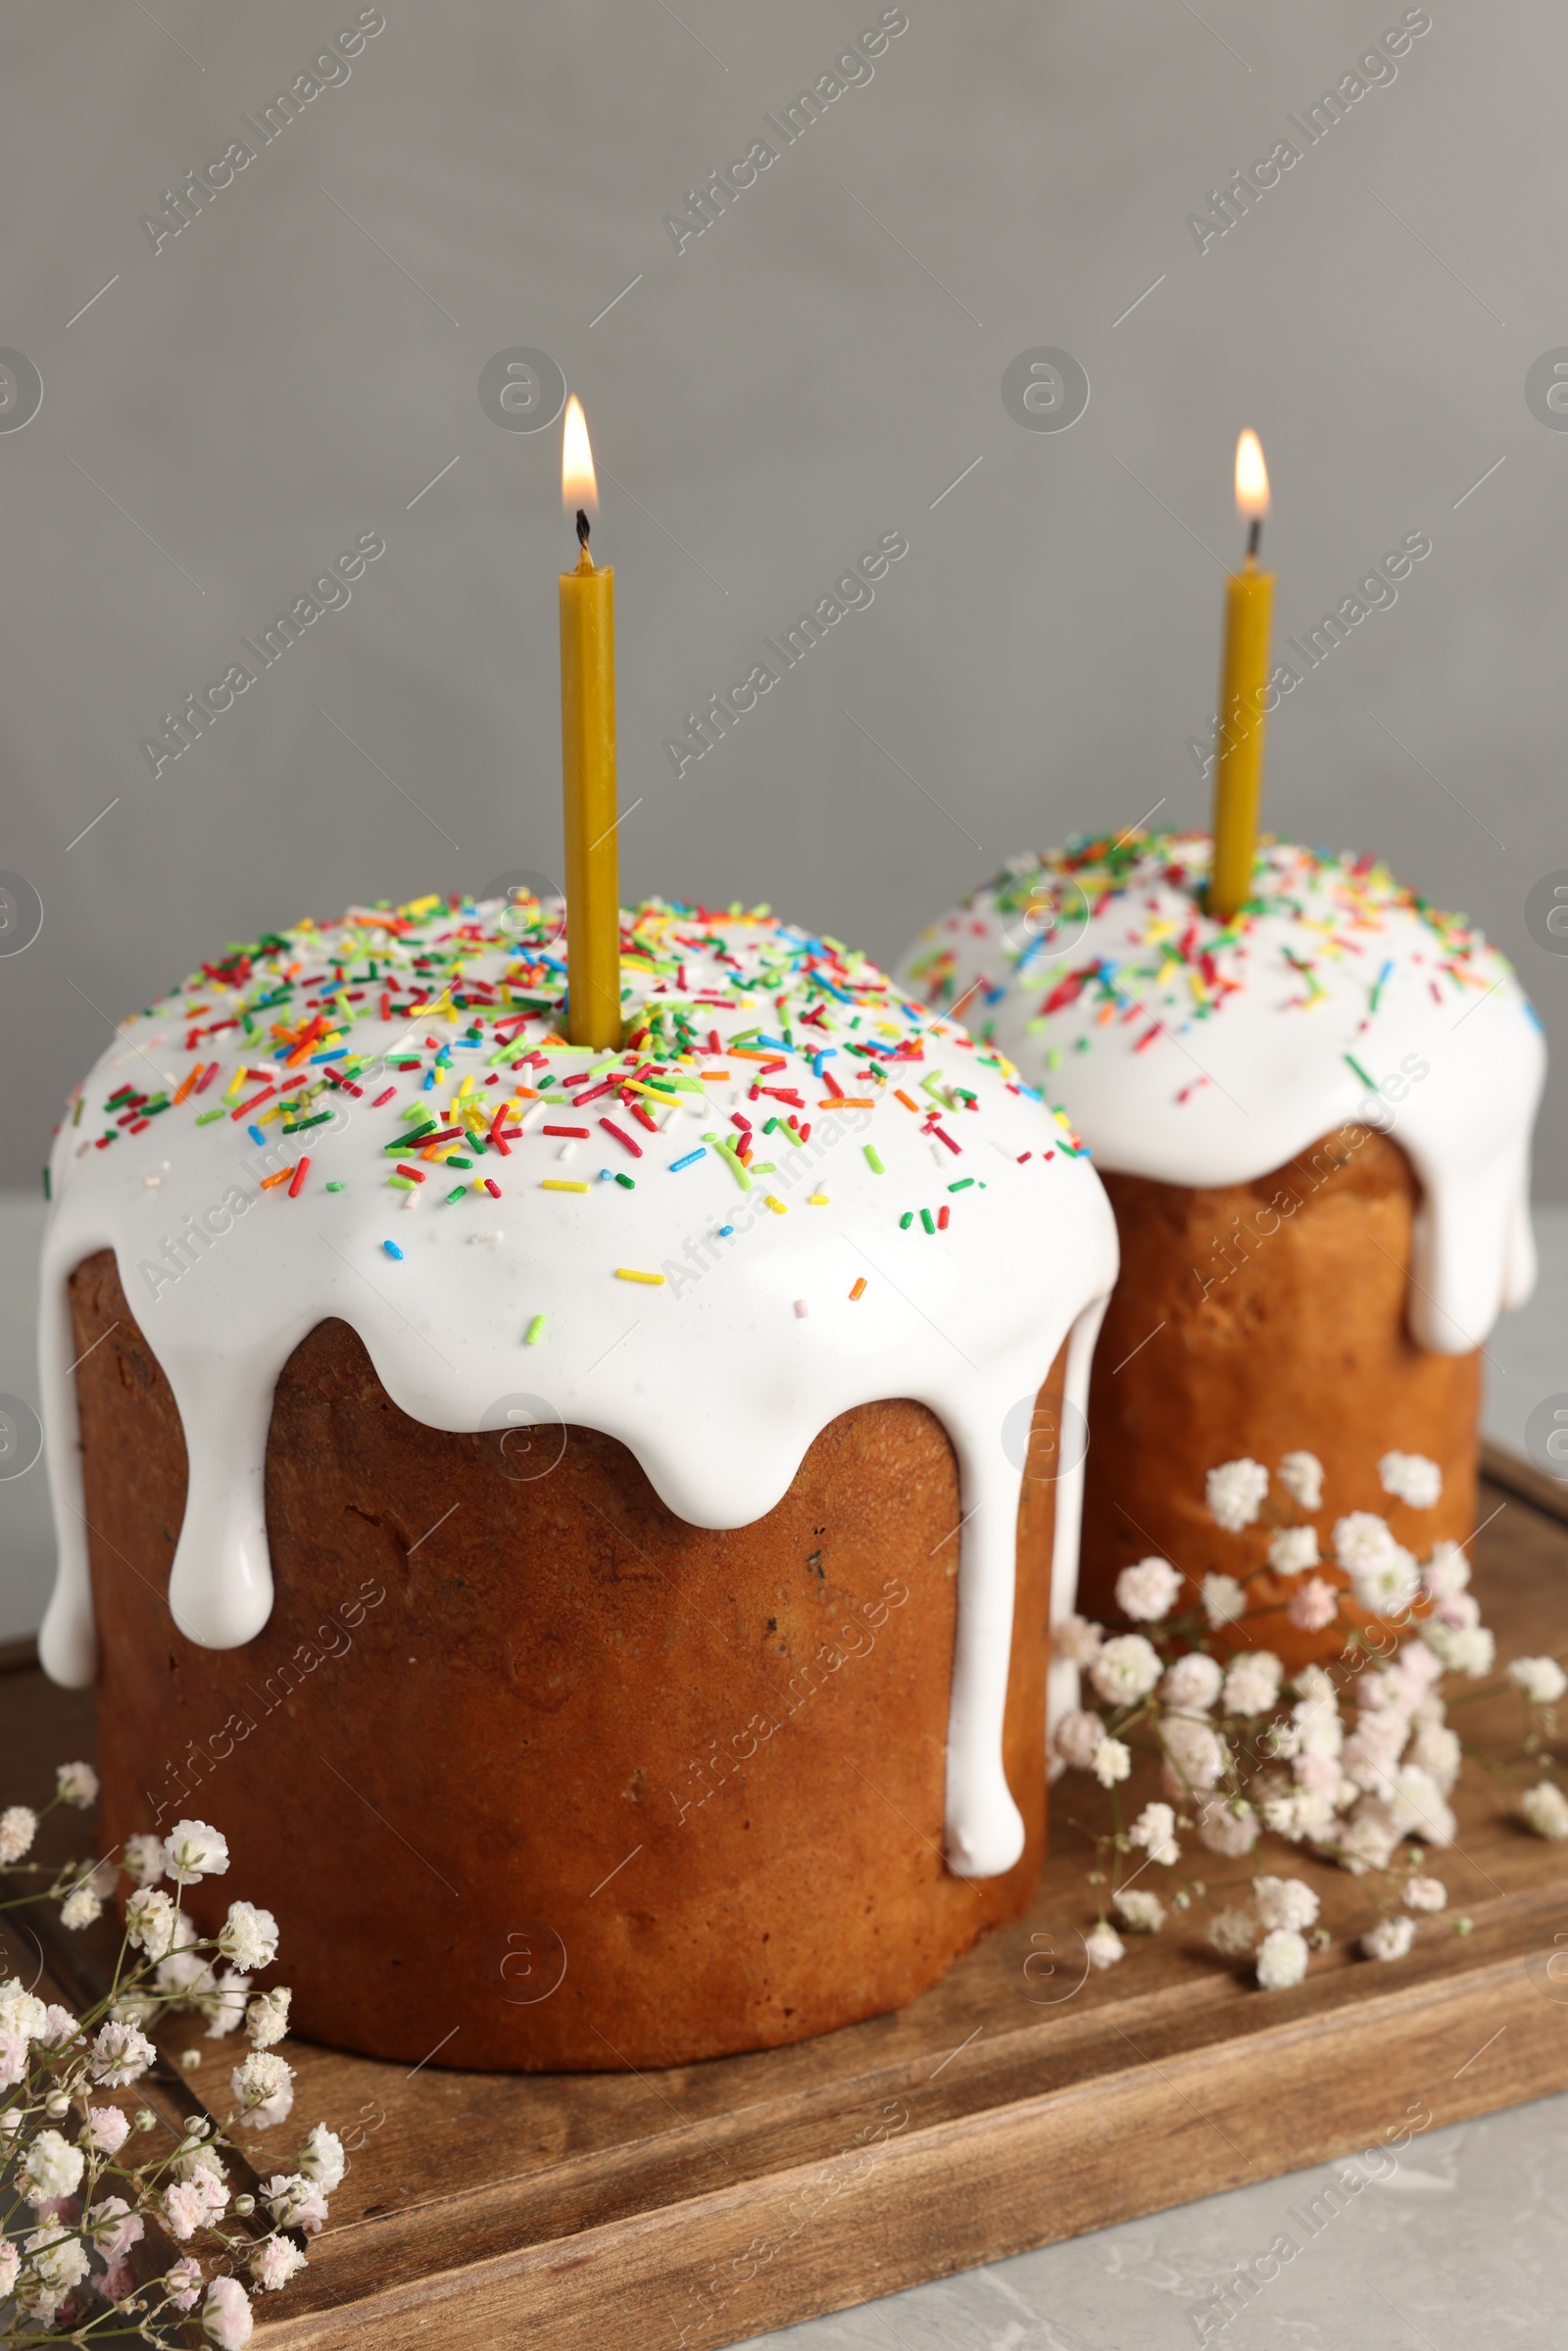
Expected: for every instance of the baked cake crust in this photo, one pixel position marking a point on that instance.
(539, 1776)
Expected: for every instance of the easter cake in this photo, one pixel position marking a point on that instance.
(582, 1522)
(1313, 1121)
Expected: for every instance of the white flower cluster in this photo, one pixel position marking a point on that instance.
(1154, 1830)
(1411, 1478)
(1245, 1747)
(1544, 1809)
(1235, 1494)
(1542, 1679)
(18, 1829)
(1149, 1592)
(64, 2249)
(1383, 1576)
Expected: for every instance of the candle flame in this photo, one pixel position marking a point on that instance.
(579, 487)
(1252, 477)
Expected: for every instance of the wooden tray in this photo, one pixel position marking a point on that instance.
(1022, 2101)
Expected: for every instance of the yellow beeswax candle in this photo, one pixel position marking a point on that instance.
(588, 762)
(1243, 677)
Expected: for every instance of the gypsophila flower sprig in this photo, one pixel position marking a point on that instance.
(1245, 1745)
(85, 2183)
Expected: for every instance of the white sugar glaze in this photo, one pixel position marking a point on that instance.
(715, 1380)
(1206, 1053)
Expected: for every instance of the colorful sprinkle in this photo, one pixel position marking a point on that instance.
(731, 1158)
(742, 1002)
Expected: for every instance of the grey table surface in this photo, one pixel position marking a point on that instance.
(1464, 2243)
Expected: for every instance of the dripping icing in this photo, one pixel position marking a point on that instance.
(1202, 1053)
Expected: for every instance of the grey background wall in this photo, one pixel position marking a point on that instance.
(815, 369)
